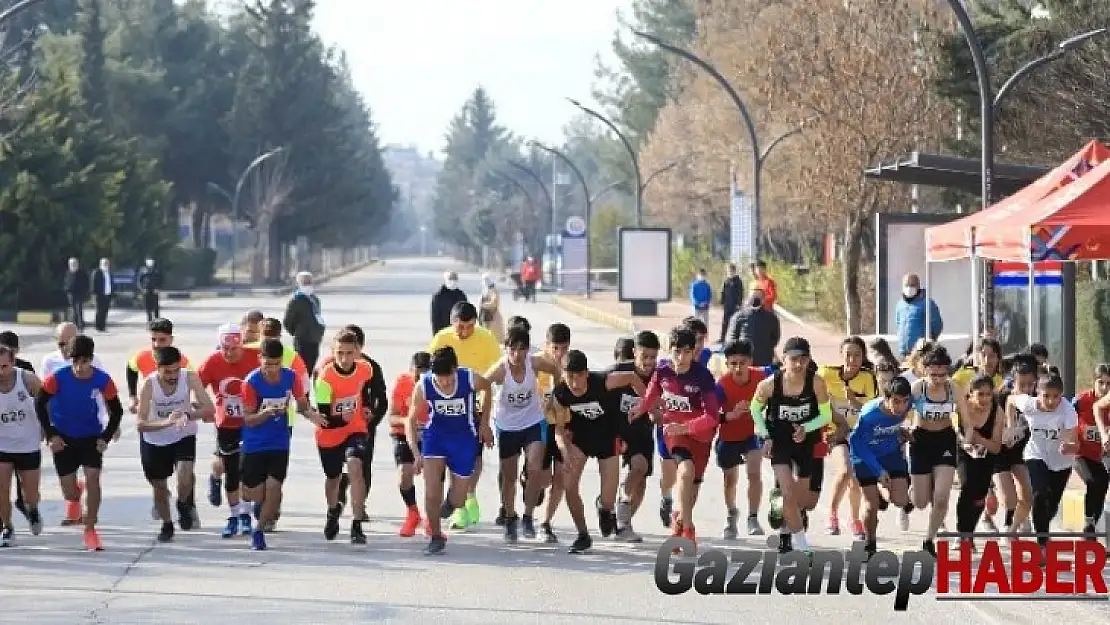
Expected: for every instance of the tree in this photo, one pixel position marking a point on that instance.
(91, 29)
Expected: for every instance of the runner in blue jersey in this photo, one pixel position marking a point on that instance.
(668, 467)
(267, 393)
(450, 440)
(69, 412)
(875, 447)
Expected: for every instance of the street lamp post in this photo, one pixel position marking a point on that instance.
(528, 171)
(759, 157)
(234, 199)
(631, 155)
(585, 195)
(16, 9)
(989, 108)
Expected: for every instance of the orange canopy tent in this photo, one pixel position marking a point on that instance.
(1065, 215)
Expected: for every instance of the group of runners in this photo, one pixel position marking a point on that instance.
(901, 434)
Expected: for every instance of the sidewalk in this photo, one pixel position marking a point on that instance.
(276, 291)
(605, 308)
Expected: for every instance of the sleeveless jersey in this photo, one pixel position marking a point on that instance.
(451, 414)
(985, 431)
(931, 411)
(343, 392)
(20, 432)
(518, 403)
(161, 405)
(786, 411)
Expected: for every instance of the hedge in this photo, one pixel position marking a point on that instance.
(1092, 328)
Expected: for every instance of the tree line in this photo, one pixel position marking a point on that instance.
(862, 84)
(115, 115)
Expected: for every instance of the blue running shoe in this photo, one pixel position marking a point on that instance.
(258, 540)
(215, 491)
(232, 527)
(244, 524)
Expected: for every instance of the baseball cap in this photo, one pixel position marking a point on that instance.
(796, 346)
(229, 336)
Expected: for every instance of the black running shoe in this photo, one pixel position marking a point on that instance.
(344, 486)
(357, 535)
(549, 536)
(184, 515)
(510, 529)
(166, 535)
(528, 527)
(500, 520)
(331, 526)
(436, 545)
(581, 544)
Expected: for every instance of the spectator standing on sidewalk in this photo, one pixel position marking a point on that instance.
(149, 281)
(909, 315)
(732, 291)
(444, 300)
(529, 276)
(304, 321)
(762, 280)
(758, 326)
(103, 288)
(76, 287)
(701, 296)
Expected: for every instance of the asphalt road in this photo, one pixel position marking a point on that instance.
(201, 578)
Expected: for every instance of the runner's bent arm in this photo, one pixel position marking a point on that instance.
(251, 404)
(621, 379)
(540, 362)
(205, 409)
(411, 424)
(1071, 425)
(994, 443)
(132, 376)
(759, 401)
(859, 441)
(651, 395)
(42, 405)
(496, 373)
(824, 406)
(377, 397)
(143, 422)
(115, 410)
(481, 384)
(1100, 409)
(710, 418)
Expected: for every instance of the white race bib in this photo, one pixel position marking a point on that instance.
(676, 403)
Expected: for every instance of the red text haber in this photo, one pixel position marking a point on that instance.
(1070, 567)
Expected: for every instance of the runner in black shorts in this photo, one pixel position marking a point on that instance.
(1011, 478)
(555, 348)
(639, 355)
(590, 431)
(789, 409)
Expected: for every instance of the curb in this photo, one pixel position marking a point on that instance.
(32, 317)
(588, 312)
(1072, 515)
(264, 292)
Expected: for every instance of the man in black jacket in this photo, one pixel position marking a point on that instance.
(304, 321)
(103, 288)
(444, 300)
(732, 290)
(759, 326)
(76, 287)
(149, 280)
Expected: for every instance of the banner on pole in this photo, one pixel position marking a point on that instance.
(574, 255)
(742, 228)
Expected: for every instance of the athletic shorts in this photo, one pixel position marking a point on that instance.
(784, 451)
(26, 461)
(639, 441)
(661, 444)
(894, 466)
(458, 449)
(930, 449)
(1009, 457)
(260, 466)
(78, 453)
(597, 443)
(160, 461)
(552, 453)
(334, 459)
(402, 453)
(685, 448)
(731, 454)
(228, 441)
(512, 443)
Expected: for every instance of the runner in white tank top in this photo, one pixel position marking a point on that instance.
(167, 424)
(518, 418)
(20, 443)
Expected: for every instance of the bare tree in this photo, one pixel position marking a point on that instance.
(13, 87)
(268, 192)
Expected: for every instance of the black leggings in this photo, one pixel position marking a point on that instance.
(975, 482)
(1048, 490)
(1097, 479)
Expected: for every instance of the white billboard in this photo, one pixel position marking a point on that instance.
(645, 264)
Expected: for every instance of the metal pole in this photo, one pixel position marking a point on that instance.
(258, 160)
(16, 9)
(585, 194)
(631, 155)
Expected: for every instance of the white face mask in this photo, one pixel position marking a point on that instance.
(452, 284)
(909, 291)
(306, 289)
(150, 262)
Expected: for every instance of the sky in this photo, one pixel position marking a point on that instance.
(417, 61)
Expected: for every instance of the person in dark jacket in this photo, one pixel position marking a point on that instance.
(759, 326)
(304, 321)
(103, 288)
(149, 281)
(76, 287)
(444, 300)
(732, 291)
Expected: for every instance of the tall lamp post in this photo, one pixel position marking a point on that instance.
(16, 9)
(585, 195)
(633, 157)
(528, 171)
(759, 157)
(989, 107)
(234, 199)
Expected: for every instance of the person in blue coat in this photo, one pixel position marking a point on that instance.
(701, 296)
(875, 451)
(909, 315)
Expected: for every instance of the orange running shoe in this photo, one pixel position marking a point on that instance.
(92, 540)
(73, 508)
(676, 530)
(689, 534)
(411, 522)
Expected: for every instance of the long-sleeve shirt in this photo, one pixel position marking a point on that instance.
(690, 398)
(701, 294)
(877, 434)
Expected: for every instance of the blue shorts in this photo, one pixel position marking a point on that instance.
(661, 444)
(731, 454)
(458, 449)
(894, 466)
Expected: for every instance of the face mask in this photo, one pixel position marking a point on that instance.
(757, 303)
(307, 289)
(452, 284)
(909, 291)
(149, 262)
